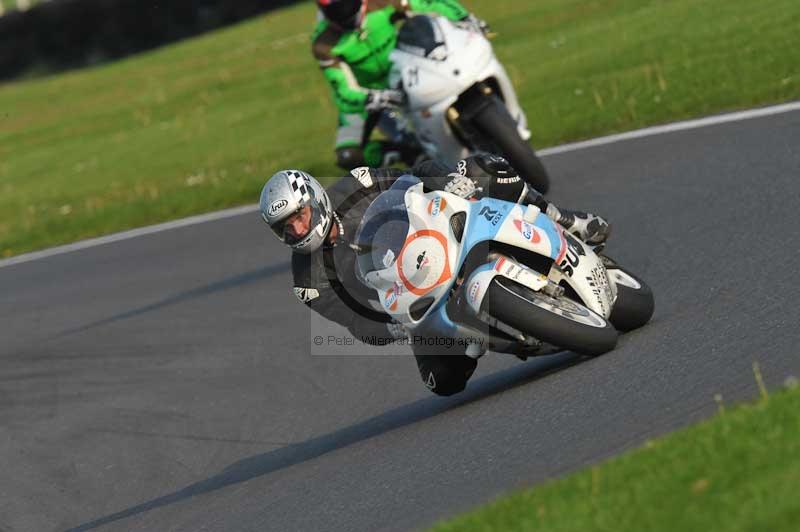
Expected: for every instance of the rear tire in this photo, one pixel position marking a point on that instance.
(496, 123)
(558, 321)
(635, 302)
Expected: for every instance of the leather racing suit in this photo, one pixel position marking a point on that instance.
(326, 281)
(357, 61)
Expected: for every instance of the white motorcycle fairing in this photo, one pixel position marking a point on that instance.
(415, 284)
(433, 83)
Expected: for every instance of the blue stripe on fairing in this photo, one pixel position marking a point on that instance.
(483, 268)
(440, 320)
(478, 227)
(477, 230)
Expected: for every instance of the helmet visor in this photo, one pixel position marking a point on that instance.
(299, 224)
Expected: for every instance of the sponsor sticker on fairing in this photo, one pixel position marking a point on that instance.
(390, 299)
(423, 262)
(398, 288)
(492, 215)
(527, 231)
(436, 206)
(598, 281)
(474, 290)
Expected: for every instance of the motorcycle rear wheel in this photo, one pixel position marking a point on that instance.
(635, 303)
(558, 321)
(496, 123)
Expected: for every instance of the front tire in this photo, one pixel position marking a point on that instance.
(558, 321)
(496, 123)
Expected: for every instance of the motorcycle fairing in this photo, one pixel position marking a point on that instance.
(433, 85)
(432, 255)
(431, 258)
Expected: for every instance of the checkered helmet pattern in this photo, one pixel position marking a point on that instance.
(285, 194)
(299, 182)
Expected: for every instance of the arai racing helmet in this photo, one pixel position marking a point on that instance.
(287, 193)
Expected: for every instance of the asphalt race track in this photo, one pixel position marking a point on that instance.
(166, 383)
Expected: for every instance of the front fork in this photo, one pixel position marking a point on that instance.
(473, 292)
(477, 284)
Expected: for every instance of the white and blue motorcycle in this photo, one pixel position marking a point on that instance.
(496, 275)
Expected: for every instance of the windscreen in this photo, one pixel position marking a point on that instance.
(420, 36)
(384, 228)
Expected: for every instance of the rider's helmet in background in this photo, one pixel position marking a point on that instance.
(347, 14)
(287, 193)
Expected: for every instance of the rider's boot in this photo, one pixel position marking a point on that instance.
(590, 228)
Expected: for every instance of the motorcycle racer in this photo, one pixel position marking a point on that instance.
(352, 42)
(319, 224)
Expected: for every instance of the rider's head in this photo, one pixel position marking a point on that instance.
(297, 209)
(347, 14)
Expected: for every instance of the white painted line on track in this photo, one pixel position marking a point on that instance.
(133, 233)
(675, 126)
(248, 209)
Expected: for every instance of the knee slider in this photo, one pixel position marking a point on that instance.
(445, 381)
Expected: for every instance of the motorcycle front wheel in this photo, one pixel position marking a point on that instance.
(558, 321)
(494, 121)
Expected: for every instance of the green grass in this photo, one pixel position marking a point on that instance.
(737, 472)
(8, 5)
(201, 124)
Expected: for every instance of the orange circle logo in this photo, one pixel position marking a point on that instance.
(424, 262)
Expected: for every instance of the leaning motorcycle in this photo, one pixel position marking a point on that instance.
(460, 99)
(493, 274)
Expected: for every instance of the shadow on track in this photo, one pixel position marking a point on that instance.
(235, 281)
(296, 453)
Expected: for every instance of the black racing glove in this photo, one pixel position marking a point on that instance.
(378, 100)
(490, 175)
(473, 23)
(486, 165)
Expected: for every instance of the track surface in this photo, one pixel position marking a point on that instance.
(166, 382)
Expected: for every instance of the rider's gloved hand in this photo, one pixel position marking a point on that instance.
(460, 185)
(473, 23)
(486, 165)
(494, 176)
(377, 100)
(590, 228)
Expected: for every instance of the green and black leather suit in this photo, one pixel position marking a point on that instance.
(353, 62)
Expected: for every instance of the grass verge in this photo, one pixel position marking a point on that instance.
(737, 471)
(9, 5)
(200, 125)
